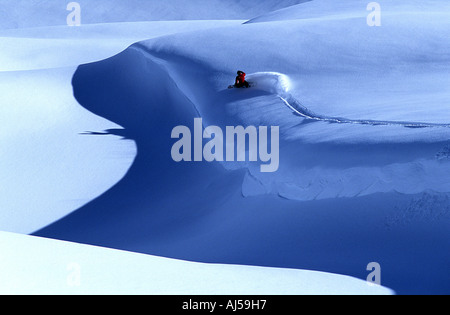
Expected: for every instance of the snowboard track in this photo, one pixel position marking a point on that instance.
(304, 112)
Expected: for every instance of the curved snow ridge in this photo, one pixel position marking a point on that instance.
(280, 84)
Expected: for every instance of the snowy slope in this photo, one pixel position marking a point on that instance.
(369, 74)
(68, 268)
(363, 115)
(344, 9)
(47, 153)
(48, 167)
(62, 46)
(36, 13)
(351, 173)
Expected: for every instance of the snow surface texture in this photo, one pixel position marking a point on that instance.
(43, 266)
(345, 9)
(363, 116)
(23, 14)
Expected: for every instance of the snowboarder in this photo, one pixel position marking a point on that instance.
(240, 80)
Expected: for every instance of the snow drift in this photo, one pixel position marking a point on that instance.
(356, 183)
(67, 268)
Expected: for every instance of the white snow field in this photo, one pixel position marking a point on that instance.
(44, 266)
(364, 137)
(26, 14)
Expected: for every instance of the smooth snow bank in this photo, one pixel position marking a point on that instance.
(63, 46)
(344, 9)
(26, 13)
(31, 265)
(49, 167)
(119, 30)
